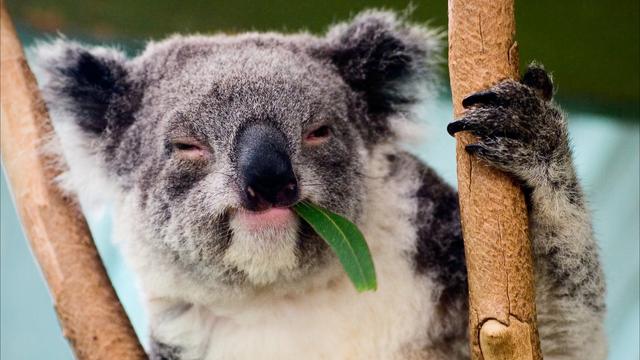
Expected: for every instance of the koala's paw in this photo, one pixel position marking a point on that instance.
(519, 130)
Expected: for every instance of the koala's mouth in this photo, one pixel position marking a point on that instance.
(272, 218)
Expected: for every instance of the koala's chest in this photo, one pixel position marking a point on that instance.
(337, 324)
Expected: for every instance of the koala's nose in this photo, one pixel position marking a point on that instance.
(265, 170)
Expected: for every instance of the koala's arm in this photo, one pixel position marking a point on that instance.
(521, 131)
(570, 283)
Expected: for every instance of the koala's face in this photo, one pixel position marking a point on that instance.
(263, 126)
(216, 138)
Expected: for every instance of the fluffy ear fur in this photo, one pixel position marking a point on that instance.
(390, 62)
(91, 100)
(84, 84)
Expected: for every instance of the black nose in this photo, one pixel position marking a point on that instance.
(265, 170)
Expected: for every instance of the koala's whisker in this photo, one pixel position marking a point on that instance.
(315, 184)
(231, 176)
(311, 184)
(312, 180)
(366, 176)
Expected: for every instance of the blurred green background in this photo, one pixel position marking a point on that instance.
(592, 48)
(591, 45)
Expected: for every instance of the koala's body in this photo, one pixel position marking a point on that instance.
(203, 143)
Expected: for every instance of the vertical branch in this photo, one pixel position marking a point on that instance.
(91, 317)
(482, 51)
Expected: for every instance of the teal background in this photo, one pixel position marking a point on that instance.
(592, 47)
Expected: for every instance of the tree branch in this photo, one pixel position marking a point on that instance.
(91, 317)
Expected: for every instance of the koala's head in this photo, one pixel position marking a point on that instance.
(212, 139)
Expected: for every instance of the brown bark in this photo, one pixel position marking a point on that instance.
(91, 317)
(502, 316)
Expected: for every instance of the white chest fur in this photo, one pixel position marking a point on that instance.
(335, 323)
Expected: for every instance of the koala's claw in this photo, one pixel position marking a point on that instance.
(485, 97)
(519, 131)
(457, 126)
(539, 80)
(475, 149)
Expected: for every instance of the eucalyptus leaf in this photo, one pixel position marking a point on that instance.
(346, 240)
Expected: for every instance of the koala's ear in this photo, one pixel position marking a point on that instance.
(383, 57)
(87, 84)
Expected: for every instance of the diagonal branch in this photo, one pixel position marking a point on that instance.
(91, 317)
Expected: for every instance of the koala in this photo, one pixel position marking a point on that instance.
(202, 144)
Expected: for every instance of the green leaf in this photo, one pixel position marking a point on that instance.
(345, 240)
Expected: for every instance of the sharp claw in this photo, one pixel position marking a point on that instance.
(456, 126)
(482, 97)
(473, 148)
(539, 80)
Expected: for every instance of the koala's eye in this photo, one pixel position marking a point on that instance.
(318, 135)
(188, 148)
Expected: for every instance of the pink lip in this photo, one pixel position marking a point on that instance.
(274, 217)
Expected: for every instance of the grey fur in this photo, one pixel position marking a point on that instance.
(122, 117)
